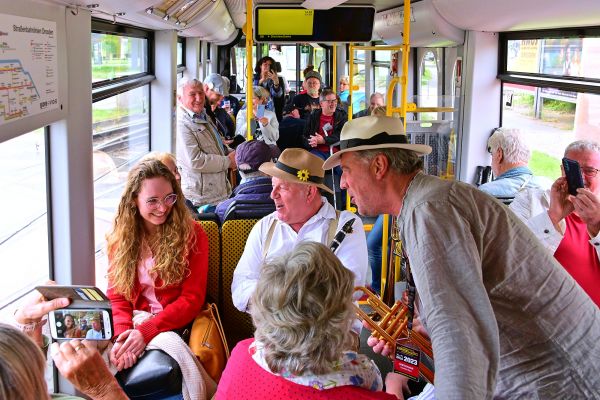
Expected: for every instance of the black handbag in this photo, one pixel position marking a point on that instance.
(156, 375)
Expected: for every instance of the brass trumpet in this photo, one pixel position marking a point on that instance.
(393, 325)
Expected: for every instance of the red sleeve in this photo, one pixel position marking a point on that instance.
(122, 310)
(191, 297)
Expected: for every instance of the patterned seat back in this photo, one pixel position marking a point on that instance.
(234, 234)
(213, 287)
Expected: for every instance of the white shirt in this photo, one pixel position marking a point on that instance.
(352, 251)
(93, 334)
(531, 206)
(270, 132)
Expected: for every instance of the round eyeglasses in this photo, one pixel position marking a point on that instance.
(153, 203)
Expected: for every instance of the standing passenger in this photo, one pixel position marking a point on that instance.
(505, 320)
(203, 158)
(158, 262)
(309, 101)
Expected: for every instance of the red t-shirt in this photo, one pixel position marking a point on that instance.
(579, 257)
(244, 379)
(325, 122)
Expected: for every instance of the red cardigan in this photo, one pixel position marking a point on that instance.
(244, 379)
(181, 303)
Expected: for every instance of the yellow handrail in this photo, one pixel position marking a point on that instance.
(249, 69)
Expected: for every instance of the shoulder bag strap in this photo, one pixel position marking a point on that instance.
(269, 237)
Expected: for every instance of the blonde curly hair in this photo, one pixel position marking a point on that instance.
(302, 310)
(170, 246)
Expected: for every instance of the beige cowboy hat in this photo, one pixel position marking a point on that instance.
(373, 132)
(297, 166)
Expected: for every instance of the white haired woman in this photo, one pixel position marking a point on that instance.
(302, 310)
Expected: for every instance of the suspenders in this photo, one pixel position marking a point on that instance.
(331, 231)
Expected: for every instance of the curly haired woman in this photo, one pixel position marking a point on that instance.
(158, 262)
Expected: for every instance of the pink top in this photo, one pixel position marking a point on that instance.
(244, 379)
(146, 280)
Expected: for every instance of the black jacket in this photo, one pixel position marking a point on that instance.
(339, 119)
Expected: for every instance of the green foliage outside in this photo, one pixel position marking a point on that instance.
(101, 115)
(523, 99)
(544, 165)
(110, 70)
(559, 106)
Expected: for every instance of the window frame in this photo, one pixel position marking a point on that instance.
(562, 82)
(111, 87)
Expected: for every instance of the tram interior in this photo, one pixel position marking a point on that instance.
(70, 163)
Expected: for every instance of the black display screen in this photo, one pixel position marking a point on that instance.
(296, 24)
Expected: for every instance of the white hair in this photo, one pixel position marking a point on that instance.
(185, 81)
(514, 148)
(583, 145)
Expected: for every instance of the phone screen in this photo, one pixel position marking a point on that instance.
(260, 111)
(573, 175)
(70, 323)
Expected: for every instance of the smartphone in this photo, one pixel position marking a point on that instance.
(76, 323)
(260, 111)
(573, 175)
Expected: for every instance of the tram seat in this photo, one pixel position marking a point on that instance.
(237, 325)
(213, 289)
(248, 209)
(211, 216)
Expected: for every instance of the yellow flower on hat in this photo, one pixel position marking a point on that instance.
(303, 175)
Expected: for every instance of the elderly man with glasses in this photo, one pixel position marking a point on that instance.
(569, 226)
(324, 125)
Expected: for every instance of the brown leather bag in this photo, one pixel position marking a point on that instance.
(207, 341)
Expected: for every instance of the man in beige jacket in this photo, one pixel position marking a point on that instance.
(203, 158)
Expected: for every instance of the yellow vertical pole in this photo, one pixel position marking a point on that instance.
(249, 69)
(351, 76)
(334, 69)
(405, 52)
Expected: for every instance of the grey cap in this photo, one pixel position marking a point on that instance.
(313, 74)
(215, 82)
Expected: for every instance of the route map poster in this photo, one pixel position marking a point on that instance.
(28, 67)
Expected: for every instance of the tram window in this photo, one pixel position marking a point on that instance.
(550, 91)
(381, 78)
(428, 85)
(24, 228)
(238, 68)
(115, 56)
(180, 49)
(550, 119)
(121, 136)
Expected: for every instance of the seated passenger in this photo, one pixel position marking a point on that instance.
(510, 156)
(325, 125)
(255, 185)
(309, 101)
(203, 158)
(158, 262)
(264, 128)
(214, 88)
(96, 332)
(234, 103)
(71, 329)
(376, 100)
(302, 308)
(291, 129)
(301, 214)
(569, 226)
(171, 162)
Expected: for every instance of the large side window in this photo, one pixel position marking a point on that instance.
(120, 119)
(24, 228)
(428, 85)
(551, 91)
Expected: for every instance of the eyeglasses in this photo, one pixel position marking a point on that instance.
(590, 171)
(168, 201)
(330, 101)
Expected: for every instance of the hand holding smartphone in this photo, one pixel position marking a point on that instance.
(89, 316)
(260, 111)
(573, 174)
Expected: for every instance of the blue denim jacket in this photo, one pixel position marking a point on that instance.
(511, 182)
